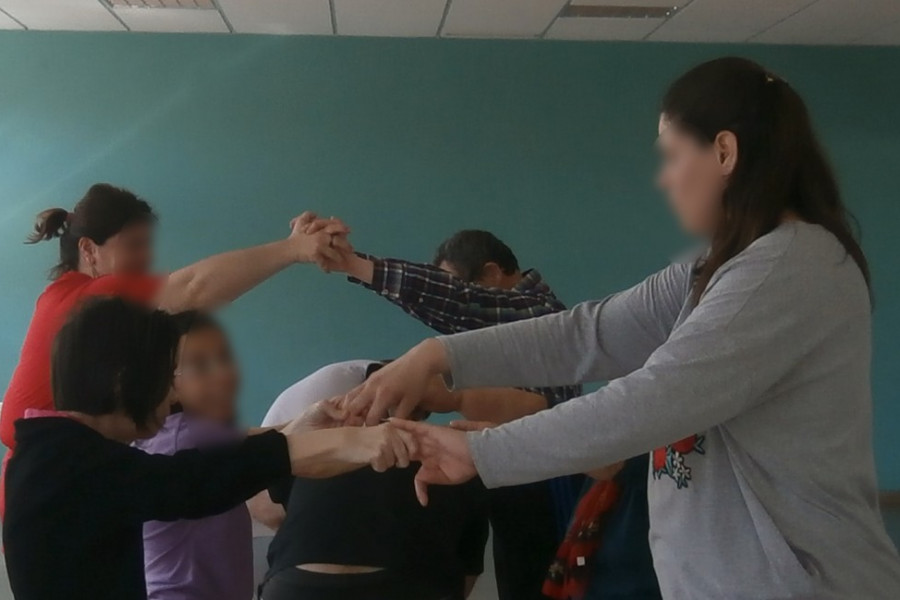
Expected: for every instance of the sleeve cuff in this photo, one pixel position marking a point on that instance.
(379, 274)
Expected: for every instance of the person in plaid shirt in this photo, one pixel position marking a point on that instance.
(476, 282)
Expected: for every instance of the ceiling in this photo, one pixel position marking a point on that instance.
(866, 22)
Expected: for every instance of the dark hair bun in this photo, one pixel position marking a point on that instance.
(49, 224)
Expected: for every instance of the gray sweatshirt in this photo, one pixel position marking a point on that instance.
(755, 404)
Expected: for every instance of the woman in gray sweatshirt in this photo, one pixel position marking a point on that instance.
(745, 373)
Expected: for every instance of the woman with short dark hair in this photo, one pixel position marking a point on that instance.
(79, 494)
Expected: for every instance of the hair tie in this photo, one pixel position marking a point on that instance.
(70, 216)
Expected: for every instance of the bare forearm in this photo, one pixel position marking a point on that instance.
(219, 279)
(361, 268)
(499, 405)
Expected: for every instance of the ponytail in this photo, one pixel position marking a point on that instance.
(49, 224)
(102, 213)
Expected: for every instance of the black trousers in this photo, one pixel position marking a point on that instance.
(297, 584)
(525, 539)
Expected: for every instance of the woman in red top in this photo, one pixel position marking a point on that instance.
(106, 249)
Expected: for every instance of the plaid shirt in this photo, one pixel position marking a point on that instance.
(448, 304)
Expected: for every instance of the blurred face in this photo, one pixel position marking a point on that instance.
(129, 251)
(207, 378)
(694, 175)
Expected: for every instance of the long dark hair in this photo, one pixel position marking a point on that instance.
(102, 213)
(781, 166)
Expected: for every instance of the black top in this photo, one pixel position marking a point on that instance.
(373, 519)
(76, 503)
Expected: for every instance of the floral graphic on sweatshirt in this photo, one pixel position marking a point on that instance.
(670, 460)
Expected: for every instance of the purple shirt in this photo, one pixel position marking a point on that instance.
(202, 559)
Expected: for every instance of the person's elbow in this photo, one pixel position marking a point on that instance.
(186, 292)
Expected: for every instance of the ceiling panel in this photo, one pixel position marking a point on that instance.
(667, 3)
(725, 20)
(500, 18)
(180, 20)
(6, 22)
(311, 17)
(885, 36)
(833, 22)
(601, 29)
(415, 18)
(72, 15)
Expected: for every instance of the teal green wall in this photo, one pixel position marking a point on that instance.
(548, 144)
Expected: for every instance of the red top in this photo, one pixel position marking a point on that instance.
(30, 384)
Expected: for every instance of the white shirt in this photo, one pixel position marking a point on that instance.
(333, 380)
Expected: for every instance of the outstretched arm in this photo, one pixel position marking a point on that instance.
(442, 301)
(220, 279)
(594, 341)
(197, 483)
(741, 340)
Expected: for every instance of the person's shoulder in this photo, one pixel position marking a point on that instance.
(64, 285)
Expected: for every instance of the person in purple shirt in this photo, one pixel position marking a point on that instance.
(211, 558)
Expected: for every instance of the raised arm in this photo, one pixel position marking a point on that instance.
(444, 302)
(219, 279)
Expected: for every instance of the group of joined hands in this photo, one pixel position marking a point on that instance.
(376, 416)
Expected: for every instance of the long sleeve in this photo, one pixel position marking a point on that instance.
(754, 325)
(448, 304)
(595, 341)
(192, 484)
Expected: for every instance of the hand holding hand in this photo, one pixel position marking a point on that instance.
(382, 447)
(323, 243)
(340, 262)
(443, 452)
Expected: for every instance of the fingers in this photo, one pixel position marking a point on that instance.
(334, 410)
(401, 452)
(356, 401)
(471, 425)
(421, 489)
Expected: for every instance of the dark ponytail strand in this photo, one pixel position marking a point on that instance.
(49, 224)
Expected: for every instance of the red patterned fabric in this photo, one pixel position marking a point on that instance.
(570, 571)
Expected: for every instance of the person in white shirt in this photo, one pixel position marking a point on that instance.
(331, 380)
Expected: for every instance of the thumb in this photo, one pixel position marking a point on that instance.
(421, 490)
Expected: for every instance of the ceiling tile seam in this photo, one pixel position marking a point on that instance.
(875, 31)
(554, 19)
(666, 20)
(440, 29)
(110, 10)
(782, 20)
(334, 29)
(21, 24)
(223, 16)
